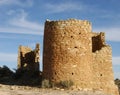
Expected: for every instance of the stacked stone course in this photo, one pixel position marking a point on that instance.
(73, 52)
(28, 58)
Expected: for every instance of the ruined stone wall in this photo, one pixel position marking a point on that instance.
(102, 64)
(67, 51)
(98, 41)
(28, 58)
(102, 69)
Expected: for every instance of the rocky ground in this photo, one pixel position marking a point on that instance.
(26, 90)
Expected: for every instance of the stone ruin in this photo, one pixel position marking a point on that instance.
(73, 52)
(28, 58)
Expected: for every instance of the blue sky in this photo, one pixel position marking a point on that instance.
(22, 23)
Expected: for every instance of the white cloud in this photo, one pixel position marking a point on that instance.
(26, 3)
(32, 45)
(116, 60)
(6, 2)
(41, 62)
(116, 63)
(20, 25)
(112, 33)
(24, 23)
(10, 12)
(8, 57)
(19, 31)
(62, 7)
(117, 75)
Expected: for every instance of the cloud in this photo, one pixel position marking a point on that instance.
(24, 23)
(8, 57)
(26, 3)
(20, 25)
(41, 57)
(63, 7)
(10, 12)
(117, 75)
(19, 31)
(116, 63)
(6, 2)
(116, 60)
(112, 33)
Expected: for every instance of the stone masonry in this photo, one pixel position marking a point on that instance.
(73, 52)
(28, 58)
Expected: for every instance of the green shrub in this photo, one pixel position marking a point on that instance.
(66, 83)
(45, 83)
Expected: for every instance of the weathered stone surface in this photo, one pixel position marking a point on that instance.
(28, 58)
(73, 52)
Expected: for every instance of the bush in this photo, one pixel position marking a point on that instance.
(66, 83)
(117, 82)
(5, 71)
(45, 83)
(28, 77)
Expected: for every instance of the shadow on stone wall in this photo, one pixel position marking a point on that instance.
(22, 77)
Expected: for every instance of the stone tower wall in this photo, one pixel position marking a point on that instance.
(73, 52)
(68, 52)
(102, 69)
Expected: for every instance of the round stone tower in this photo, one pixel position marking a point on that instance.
(67, 52)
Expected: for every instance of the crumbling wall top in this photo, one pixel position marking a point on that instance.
(68, 21)
(24, 48)
(28, 58)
